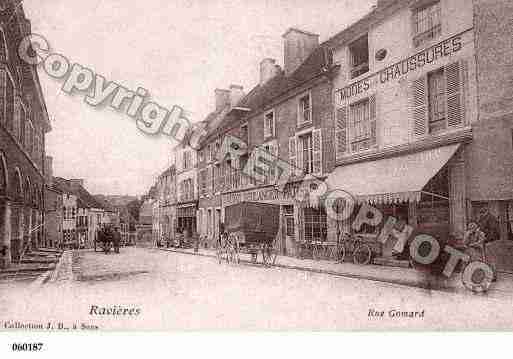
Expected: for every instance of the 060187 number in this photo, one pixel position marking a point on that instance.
(26, 347)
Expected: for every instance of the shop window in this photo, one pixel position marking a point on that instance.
(315, 224)
(269, 124)
(359, 56)
(360, 123)
(436, 89)
(307, 153)
(427, 23)
(305, 110)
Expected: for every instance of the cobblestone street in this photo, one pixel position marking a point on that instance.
(181, 291)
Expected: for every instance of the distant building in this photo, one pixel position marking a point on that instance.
(54, 220)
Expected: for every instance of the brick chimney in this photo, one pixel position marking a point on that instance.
(268, 69)
(297, 46)
(222, 98)
(49, 170)
(236, 94)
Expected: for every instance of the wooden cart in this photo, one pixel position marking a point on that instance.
(250, 227)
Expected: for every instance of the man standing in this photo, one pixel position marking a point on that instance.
(116, 239)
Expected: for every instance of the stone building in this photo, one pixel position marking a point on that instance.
(423, 112)
(53, 223)
(166, 201)
(209, 195)
(23, 125)
(288, 114)
(185, 164)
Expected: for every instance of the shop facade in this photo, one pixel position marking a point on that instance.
(406, 100)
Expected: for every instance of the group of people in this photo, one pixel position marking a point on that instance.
(109, 237)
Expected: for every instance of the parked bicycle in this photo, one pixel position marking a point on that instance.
(353, 246)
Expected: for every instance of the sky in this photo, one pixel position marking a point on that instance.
(180, 51)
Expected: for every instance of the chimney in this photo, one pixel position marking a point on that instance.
(268, 69)
(222, 98)
(297, 46)
(49, 170)
(236, 94)
(77, 181)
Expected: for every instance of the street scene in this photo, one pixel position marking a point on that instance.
(181, 291)
(349, 169)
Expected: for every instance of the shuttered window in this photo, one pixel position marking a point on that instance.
(438, 100)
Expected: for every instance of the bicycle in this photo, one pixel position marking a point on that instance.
(361, 252)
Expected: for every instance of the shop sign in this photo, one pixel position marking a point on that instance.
(403, 67)
(266, 194)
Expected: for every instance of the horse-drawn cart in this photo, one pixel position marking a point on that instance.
(250, 227)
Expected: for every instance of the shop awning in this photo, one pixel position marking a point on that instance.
(391, 180)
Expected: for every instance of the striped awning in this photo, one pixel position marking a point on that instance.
(391, 180)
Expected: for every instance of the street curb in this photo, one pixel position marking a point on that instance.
(53, 276)
(419, 285)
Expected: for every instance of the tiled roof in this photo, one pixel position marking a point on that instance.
(260, 96)
(85, 199)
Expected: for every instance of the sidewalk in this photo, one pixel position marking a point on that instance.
(385, 274)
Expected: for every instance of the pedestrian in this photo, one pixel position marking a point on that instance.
(116, 239)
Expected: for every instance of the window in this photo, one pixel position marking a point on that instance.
(360, 124)
(436, 89)
(244, 134)
(269, 124)
(315, 224)
(307, 153)
(359, 56)
(426, 23)
(187, 160)
(289, 220)
(305, 110)
(201, 155)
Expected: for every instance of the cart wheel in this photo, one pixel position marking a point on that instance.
(341, 254)
(268, 255)
(362, 254)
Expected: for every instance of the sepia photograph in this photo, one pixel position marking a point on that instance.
(257, 165)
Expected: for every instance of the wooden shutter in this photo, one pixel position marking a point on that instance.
(317, 151)
(299, 158)
(372, 120)
(341, 132)
(293, 154)
(420, 106)
(274, 153)
(454, 79)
